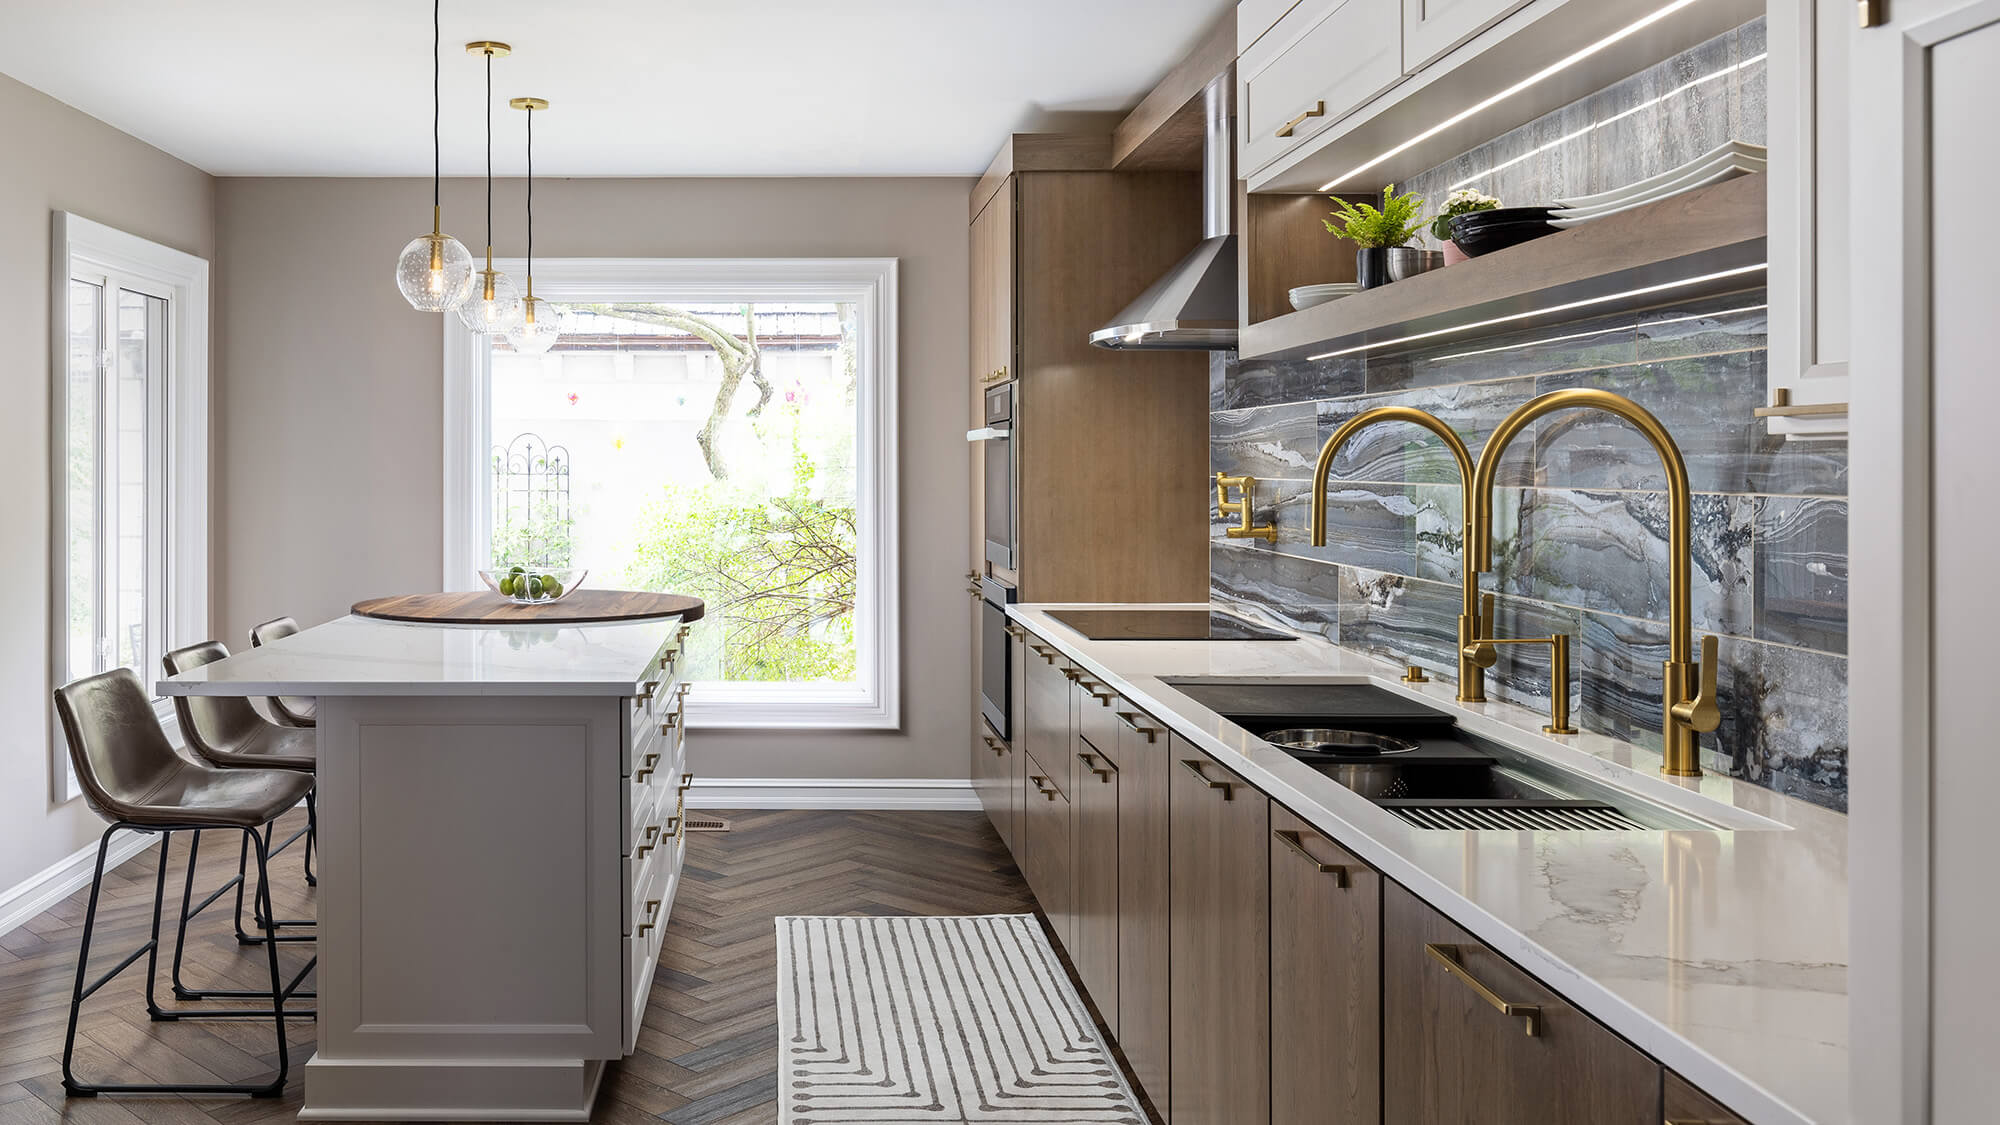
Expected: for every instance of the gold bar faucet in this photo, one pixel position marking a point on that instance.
(1471, 675)
(1690, 707)
(1241, 506)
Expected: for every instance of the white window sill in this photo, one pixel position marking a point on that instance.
(725, 706)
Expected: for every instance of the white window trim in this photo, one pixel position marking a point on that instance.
(870, 283)
(81, 245)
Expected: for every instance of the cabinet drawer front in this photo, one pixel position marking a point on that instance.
(1094, 882)
(1097, 714)
(1431, 28)
(1046, 847)
(1326, 952)
(1320, 62)
(1689, 1106)
(1480, 1042)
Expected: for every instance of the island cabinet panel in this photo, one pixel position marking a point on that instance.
(1689, 1106)
(1095, 879)
(1219, 943)
(1046, 852)
(1145, 758)
(1453, 1054)
(1326, 980)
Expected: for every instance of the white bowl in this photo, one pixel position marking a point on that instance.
(1309, 296)
(1571, 219)
(1647, 186)
(1692, 178)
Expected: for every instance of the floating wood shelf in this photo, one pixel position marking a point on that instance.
(1664, 252)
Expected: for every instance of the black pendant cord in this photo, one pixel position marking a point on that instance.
(437, 101)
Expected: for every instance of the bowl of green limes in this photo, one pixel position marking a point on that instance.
(532, 585)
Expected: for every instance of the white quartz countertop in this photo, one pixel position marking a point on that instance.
(364, 656)
(1722, 953)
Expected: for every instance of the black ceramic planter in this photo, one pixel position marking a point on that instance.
(1371, 267)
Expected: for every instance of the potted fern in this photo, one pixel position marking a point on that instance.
(1376, 231)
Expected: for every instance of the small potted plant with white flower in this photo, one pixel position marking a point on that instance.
(1464, 201)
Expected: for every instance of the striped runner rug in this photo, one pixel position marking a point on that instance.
(936, 1019)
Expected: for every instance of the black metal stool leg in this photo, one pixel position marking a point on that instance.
(242, 867)
(181, 989)
(150, 950)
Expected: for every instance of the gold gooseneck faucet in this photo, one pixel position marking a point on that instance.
(1688, 710)
(1471, 675)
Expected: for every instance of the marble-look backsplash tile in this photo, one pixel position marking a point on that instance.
(1581, 512)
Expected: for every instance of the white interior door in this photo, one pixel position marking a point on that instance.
(1925, 769)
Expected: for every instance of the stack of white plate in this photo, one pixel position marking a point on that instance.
(1306, 296)
(1724, 162)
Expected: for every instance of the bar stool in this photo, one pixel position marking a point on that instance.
(229, 734)
(291, 710)
(132, 777)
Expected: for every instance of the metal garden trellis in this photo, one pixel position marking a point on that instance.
(531, 508)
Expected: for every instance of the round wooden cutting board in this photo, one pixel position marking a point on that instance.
(487, 608)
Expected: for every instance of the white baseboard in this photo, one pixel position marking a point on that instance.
(64, 878)
(833, 793)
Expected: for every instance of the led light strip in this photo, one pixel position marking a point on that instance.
(1538, 76)
(1511, 317)
(1599, 332)
(1612, 120)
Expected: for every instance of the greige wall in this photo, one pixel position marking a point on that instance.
(55, 159)
(329, 403)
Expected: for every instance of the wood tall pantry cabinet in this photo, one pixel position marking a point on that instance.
(1253, 971)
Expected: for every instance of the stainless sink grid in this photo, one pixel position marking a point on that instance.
(1513, 816)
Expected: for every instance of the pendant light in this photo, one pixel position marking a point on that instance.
(495, 305)
(540, 324)
(435, 270)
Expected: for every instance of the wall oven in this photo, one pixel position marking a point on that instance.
(996, 674)
(997, 437)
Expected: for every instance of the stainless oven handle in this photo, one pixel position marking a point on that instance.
(990, 433)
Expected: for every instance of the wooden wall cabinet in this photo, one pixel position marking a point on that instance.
(1110, 447)
(1452, 1056)
(1809, 177)
(1219, 945)
(1326, 980)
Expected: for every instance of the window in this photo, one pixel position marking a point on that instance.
(131, 479)
(717, 428)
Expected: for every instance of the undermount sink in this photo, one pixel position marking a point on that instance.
(1413, 761)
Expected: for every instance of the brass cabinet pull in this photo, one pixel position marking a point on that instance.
(998, 747)
(1132, 720)
(1103, 772)
(645, 695)
(1292, 841)
(652, 835)
(652, 915)
(1530, 1014)
(646, 770)
(687, 782)
(674, 832)
(1015, 631)
(1072, 675)
(1194, 767)
(1040, 788)
(1043, 651)
(1781, 404)
(994, 376)
(1318, 110)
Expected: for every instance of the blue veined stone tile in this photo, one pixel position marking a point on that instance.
(1483, 357)
(1264, 441)
(1784, 714)
(1440, 531)
(1219, 366)
(1706, 405)
(1609, 551)
(1802, 571)
(1663, 116)
(1371, 526)
(1259, 382)
(1401, 619)
(1522, 673)
(1299, 593)
(1786, 720)
(1731, 323)
(1749, 109)
(1400, 451)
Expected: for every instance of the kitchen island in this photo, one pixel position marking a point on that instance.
(501, 829)
(1708, 956)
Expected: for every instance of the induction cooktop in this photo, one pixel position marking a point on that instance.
(1165, 625)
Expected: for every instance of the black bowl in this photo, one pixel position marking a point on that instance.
(1500, 216)
(1489, 239)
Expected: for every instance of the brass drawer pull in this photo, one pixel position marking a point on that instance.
(646, 770)
(1132, 720)
(1318, 110)
(1530, 1014)
(652, 835)
(676, 822)
(1194, 767)
(1781, 407)
(652, 916)
(1015, 631)
(1103, 772)
(994, 376)
(667, 659)
(998, 747)
(645, 695)
(1292, 841)
(1040, 788)
(1043, 651)
(687, 782)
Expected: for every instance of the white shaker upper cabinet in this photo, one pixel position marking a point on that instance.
(1810, 41)
(1255, 17)
(1433, 27)
(1321, 61)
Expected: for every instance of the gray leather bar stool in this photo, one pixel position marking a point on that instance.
(291, 710)
(228, 733)
(132, 777)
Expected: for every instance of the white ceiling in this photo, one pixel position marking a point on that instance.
(638, 87)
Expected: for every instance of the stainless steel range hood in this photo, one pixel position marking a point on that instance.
(1193, 308)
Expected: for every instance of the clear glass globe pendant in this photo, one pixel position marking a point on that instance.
(540, 327)
(435, 271)
(495, 306)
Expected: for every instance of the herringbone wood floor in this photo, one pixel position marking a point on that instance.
(707, 1053)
